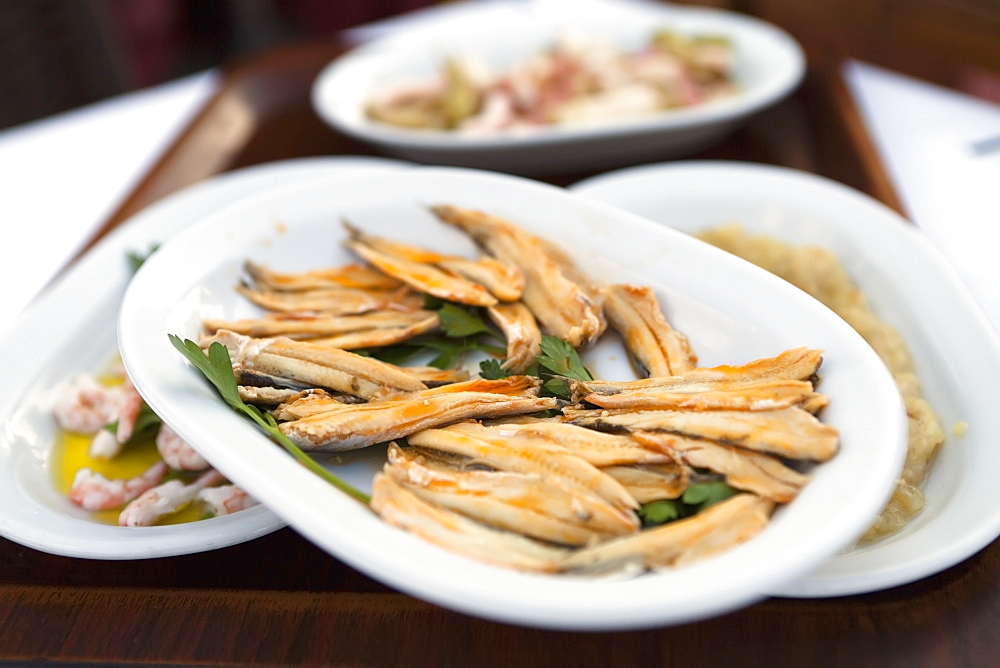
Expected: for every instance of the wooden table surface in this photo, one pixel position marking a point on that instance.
(279, 600)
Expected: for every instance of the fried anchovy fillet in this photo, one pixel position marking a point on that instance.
(333, 301)
(283, 362)
(401, 508)
(787, 432)
(655, 347)
(355, 426)
(380, 337)
(521, 331)
(504, 281)
(793, 364)
(354, 275)
(651, 482)
(305, 326)
(763, 396)
(542, 457)
(563, 307)
(596, 447)
(519, 502)
(714, 530)
(751, 471)
(267, 396)
(420, 274)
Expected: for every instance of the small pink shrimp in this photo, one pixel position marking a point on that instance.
(83, 405)
(128, 410)
(165, 499)
(176, 452)
(226, 499)
(92, 491)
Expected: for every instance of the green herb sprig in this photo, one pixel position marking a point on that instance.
(217, 367)
(696, 498)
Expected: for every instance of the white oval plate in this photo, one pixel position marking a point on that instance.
(768, 65)
(732, 311)
(912, 287)
(71, 328)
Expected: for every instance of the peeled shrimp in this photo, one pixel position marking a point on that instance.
(165, 499)
(226, 499)
(176, 452)
(83, 405)
(92, 491)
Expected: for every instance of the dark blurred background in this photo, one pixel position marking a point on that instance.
(56, 55)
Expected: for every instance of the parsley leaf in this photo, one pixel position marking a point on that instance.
(705, 494)
(696, 498)
(492, 370)
(217, 367)
(459, 323)
(559, 362)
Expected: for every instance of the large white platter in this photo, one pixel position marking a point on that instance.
(768, 66)
(733, 311)
(71, 328)
(911, 286)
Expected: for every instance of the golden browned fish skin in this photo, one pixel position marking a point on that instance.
(504, 281)
(333, 301)
(543, 457)
(419, 275)
(787, 432)
(403, 509)
(381, 336)
(305, 326)
(523, 503)
(355, 426)
(793, 364)
(651, 482)
(744, 469)
(347, 276)
(656, 348)
(718, 528)
(305, 365)
(521, 331)
(562, 307)
(596, 447)
(767, 395)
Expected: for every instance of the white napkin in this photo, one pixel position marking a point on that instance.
(65, 175)
(942, 151)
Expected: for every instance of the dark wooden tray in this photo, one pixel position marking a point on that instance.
(280, 600)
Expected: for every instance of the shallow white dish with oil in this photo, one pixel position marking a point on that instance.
(71, 328)
(910, 285)
(296, 227)
(768, 65)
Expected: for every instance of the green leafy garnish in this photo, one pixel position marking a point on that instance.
(217, 367)
(457, 322)
(696, 498)
(558, 363)
(561, 359)
(491, 369)
(135, 259)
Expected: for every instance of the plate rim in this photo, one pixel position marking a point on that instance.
(728, 110)
(823, 583)
(88, 539)
(134, 327)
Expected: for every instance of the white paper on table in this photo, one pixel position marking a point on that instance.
(63, 176)
(942, 151)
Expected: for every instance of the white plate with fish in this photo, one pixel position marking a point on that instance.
(709, 298)
(504, 134)
(71, 328)
(912, 288)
